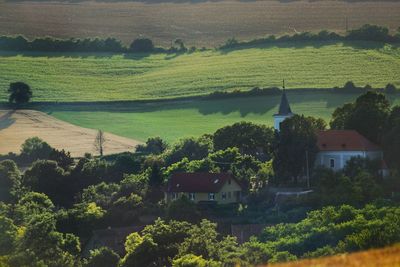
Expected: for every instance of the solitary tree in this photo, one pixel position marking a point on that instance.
(99, 142)
(19, 93)
(142, 45)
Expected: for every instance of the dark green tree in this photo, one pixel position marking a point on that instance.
(183, 209)
(46, 177)
(63, 158)
(142, 45)
(391, 140)
(8, 235)
(102, 257)
(297, 140)
(42, 245)
(250, 138)
(190, 148)
(35, 148)
(367, 116)
(154, 145)
(20, 93)
(10, 181)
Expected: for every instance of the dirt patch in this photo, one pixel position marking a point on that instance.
(17, 126)
(196, 22)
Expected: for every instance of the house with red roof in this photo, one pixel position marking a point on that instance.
(336, 147)
(220, 188)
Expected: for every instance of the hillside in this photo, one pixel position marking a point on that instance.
(197, 22)
(177, 119)
(17, 126)
(97, 77)
(384, 257)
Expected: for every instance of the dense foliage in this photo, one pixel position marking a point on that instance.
(365, 33)
(49, 211)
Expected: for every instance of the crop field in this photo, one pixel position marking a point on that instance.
(18, 125)
(177, 119)
(197, 22)
(105, 77)
(382, 257)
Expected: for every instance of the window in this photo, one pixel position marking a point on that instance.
(332, 163)
(229, 194)
(174, 195)
(192, 196)
(223, 195)
(229, 181)
(211, 196)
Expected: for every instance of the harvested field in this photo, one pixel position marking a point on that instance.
(384, 257)
(197, 23)
(17, 126)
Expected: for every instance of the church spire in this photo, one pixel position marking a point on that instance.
(284, 107)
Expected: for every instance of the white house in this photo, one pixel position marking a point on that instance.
(336, 147)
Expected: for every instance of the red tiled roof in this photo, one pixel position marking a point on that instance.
(201, 182)
(344, 140)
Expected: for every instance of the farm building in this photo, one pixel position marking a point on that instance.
(220, 188)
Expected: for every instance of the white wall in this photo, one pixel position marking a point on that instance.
(341, 157)
(278, 119)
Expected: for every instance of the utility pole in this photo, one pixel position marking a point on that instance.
(307, 170)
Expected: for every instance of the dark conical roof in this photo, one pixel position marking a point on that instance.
(284, 107)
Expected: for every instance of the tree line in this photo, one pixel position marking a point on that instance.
(367, 32)
(112, 45)
(145, 45)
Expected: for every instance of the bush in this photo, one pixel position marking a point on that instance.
(370, 33)
(191, 260)
(142, 45)
(103, 257)
(390, 88)
(35, 148)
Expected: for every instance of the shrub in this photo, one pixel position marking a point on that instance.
(103, 257)
(142, 45)
(390, 88)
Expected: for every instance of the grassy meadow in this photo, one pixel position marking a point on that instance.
(176, 119)
(104, 77)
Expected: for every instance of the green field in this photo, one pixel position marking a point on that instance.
(173, 120)
(94, 77)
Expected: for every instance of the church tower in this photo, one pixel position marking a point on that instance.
(284, 110)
